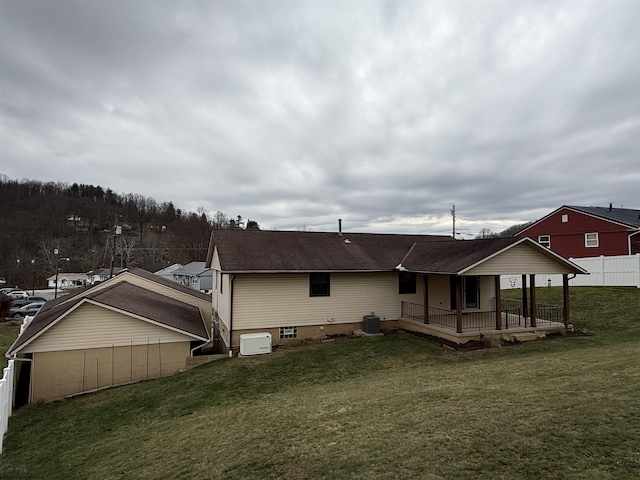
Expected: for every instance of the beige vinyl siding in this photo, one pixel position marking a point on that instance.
(519, 259)
(487, 293)
(59, 374)
(91, 326)
(439, 291)
(224, 299)
(263, 300)
(215, 261)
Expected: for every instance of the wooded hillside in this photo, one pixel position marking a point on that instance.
(79, 220)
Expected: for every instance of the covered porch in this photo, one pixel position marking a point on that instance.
(520, 319)
(462, 291)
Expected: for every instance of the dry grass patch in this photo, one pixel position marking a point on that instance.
(383, 408)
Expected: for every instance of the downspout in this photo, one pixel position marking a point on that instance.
(231, 284)
(195, 348)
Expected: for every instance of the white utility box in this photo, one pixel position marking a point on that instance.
(255, 344)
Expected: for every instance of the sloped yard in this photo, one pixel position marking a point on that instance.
(391, 407)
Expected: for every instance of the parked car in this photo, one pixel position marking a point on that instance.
(7, 290)
(3, 280)
(30, 309)
(21, 302)
(18, 294)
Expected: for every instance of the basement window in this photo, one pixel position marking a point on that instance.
(545, 240)
(591, 239)
(288, 332)
(406, 282)
(319, 285)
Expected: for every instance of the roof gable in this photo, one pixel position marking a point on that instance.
(124, 297)
(625, 217)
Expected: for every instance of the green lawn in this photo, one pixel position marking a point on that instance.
(384, 408)
(8, 333)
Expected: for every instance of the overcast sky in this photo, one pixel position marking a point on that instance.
(297, 113)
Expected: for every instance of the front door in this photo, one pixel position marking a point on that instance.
(470, 292)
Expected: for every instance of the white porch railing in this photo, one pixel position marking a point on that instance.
(6, 398)
(618, 271)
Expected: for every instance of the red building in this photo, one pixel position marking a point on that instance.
(577, 232)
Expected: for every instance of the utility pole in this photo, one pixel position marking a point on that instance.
(453, 214)
(117, 229)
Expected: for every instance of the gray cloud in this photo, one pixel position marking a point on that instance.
(298, 113)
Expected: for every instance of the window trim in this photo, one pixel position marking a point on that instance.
(314, 282)
(587, 240)
(544, 243)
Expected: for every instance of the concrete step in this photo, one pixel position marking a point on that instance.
(522, 336)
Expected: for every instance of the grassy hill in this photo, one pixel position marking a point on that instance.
(384, 408)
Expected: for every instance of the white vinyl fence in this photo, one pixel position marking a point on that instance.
(6, 399)
(619, 271)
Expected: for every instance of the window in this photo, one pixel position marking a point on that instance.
(591, 239)
(319, 285)
(545, 240)
(288, 332)
(221, 282)
(565, 218)
(406, 282)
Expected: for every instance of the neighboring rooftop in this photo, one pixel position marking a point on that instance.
(626, 216)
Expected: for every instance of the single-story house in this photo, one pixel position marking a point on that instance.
(131, 327)
(194, 275)
(67, 280)
(167, 272)
(102, 274)
(300, 285)
(578, 232)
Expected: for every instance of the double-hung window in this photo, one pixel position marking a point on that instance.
(406, 282)
(319, 285)
(545, 240)
(591, 239)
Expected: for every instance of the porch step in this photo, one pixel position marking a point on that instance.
(523, 336)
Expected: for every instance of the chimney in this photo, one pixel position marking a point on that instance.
(611, 207)
(339, 227)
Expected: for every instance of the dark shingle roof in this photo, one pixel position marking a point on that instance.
(128, 298)
(156, 267)
(626, 216)
(281, 251)
(268, 251)
(453, 257)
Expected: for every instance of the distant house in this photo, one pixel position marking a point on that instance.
(102, 274)
(194, 275)
(67, 280)
(301, 285)
(167, 272)
(156, 267)
(578, 232)
(131, 327)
